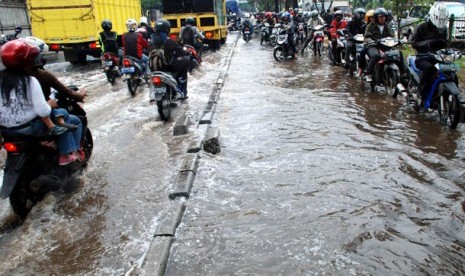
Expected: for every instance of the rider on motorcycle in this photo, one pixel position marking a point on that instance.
(361, 59)
(314, 20)
(429, 37)
(355, 26)
(147, 31)
(189, 34)
(25, 110)
(134, 44)
(247, 24)
(374, 32)
(338, 23)
(289, 27)
(179, 61)
(108, 39)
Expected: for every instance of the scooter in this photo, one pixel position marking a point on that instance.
(110, 66)
(283, 51)
(444, 95)
(386, 74)
(133, 72)
(31, 167)
(167, 91)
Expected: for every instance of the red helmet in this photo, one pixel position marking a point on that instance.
(268, 15)
(18, 54)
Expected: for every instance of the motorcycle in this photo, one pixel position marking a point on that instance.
(340, 48)
(283, 51)
(31, 166)
(274, 34)
(246, 33)
(317, 40)
(232, 25)
(167, 88)
(265, 32)
(300, 33)
(353, 66)
(444, 95)
(110, 66)
(386, 74)
(134, 72)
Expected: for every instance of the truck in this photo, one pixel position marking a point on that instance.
(73, 26)
(209, 16)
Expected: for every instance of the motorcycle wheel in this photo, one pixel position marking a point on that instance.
(450, 115)
(19, 198)
(164, 107)
(391, 80)
(319, 48)
(261, 40)
(88, 145)
(278, 54)
(110, 77)
(132, 86)
(273, 42)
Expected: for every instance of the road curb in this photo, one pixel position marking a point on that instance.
(158, 256)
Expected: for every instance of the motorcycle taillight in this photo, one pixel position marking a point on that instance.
(156, 80)
(127, 63)
(11, 147)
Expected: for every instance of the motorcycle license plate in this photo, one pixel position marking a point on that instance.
(108, 63)
(246, 32)
(128, 70)
(157, 92)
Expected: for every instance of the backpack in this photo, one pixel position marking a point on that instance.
(109, 42)
(187, 35)
(157, 59)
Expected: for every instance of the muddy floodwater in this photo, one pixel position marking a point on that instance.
(316, 176)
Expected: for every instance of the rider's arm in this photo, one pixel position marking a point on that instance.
(60, 87)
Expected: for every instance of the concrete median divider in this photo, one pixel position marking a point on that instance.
(181, 127)
(156, 260)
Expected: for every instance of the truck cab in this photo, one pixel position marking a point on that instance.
(209, 16)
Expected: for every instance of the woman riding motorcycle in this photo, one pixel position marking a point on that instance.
(429, 37)
(24, 110)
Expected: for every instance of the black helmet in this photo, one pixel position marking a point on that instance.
(162, 26)
(378, 12)
(18, 29)
(106, 25)
(190, 21)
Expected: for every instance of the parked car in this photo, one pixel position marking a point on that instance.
(458, 10)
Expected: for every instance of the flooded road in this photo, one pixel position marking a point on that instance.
(316, 176)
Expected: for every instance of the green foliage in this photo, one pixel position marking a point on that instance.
(150, 4)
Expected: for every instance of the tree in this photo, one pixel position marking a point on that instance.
(151, 4)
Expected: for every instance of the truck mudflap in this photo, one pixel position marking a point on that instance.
(13, 165)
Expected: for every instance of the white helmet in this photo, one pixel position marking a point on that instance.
(131, 24)
(143, 19)
(438, 15)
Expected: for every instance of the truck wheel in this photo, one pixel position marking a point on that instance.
(71, 57)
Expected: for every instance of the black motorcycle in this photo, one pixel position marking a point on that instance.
(444, 95)
(110, 63)
(134, 73)
(31, 167)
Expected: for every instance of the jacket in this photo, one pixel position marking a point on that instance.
(373, 33)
